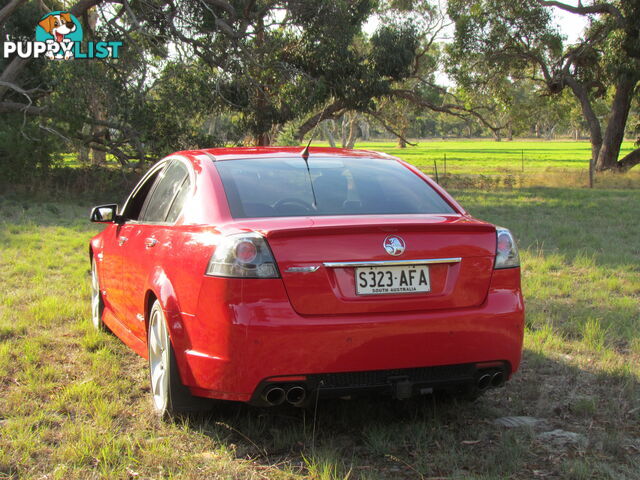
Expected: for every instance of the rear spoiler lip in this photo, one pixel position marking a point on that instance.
(378, 228)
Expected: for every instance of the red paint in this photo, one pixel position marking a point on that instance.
(230, 334)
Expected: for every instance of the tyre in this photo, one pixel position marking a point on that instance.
(170, 396)
(97, 304)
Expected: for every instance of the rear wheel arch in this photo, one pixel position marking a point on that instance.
(159, 287)
(170, 396)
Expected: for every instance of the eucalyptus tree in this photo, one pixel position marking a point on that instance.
(261, 63)
(253, 66)
(503, 38)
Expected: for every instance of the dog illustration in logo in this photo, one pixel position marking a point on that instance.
(59, 25)
(394, 246)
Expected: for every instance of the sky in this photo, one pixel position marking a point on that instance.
(570, 24)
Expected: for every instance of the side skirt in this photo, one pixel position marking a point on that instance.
(124, 334)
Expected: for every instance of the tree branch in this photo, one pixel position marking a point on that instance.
(450, 108)
(8, 9)
(629, 161)
(329, 112)
(596, 8)
(16, 107)
(388, 128)
(224, 5)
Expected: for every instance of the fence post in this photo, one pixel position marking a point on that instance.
(435, 167)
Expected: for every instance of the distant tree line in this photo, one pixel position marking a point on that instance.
(199, 73)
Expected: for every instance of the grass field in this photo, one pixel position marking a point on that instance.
(525, 162)
(74, 403)
(488, 156)
(478, 162)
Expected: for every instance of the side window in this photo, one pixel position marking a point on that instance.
(178, 202)
(137, 201)
(163, 194)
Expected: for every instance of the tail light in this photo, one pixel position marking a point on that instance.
(506, 250)
(243, 255)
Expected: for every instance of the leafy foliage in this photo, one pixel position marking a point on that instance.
(500, 40)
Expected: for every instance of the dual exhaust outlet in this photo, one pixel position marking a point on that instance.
(490, 379)
(297, 394)
(294, 395)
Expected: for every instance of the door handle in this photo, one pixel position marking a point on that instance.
(122, 240)
(150, 242)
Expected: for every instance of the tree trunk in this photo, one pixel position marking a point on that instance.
(595, 130)
(496, 135)
(607, 158)
(263, 140)
(353, 131)
(401, 142)
(83, 151)
(550, 132)
(328, 133)
(510, 132)
(364, 129)
(343, 130)
(98, 157)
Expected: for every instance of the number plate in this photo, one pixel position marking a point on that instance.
(392, 280)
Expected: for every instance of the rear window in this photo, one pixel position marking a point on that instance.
(284, 187)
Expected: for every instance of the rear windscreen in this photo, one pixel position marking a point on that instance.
(284, 187)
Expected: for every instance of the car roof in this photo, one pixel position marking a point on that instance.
(237, 153)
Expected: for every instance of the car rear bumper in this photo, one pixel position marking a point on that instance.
(242, 339)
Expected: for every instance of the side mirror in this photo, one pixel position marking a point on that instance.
(104, 213)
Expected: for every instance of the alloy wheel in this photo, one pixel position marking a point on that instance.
(159, 360)
(96, 300)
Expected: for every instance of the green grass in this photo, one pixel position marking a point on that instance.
(484, 163)
(531, 162)
(74, 403)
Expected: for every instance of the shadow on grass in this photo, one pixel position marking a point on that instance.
(441, 436)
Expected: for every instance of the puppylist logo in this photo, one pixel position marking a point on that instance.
(59, 37)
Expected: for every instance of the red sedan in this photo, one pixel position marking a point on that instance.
(271, 275)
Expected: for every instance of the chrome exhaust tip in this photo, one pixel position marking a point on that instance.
(296, 395)
(484, 381)
(274, 396)
(497, 379)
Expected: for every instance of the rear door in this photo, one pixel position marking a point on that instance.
(118, 242)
